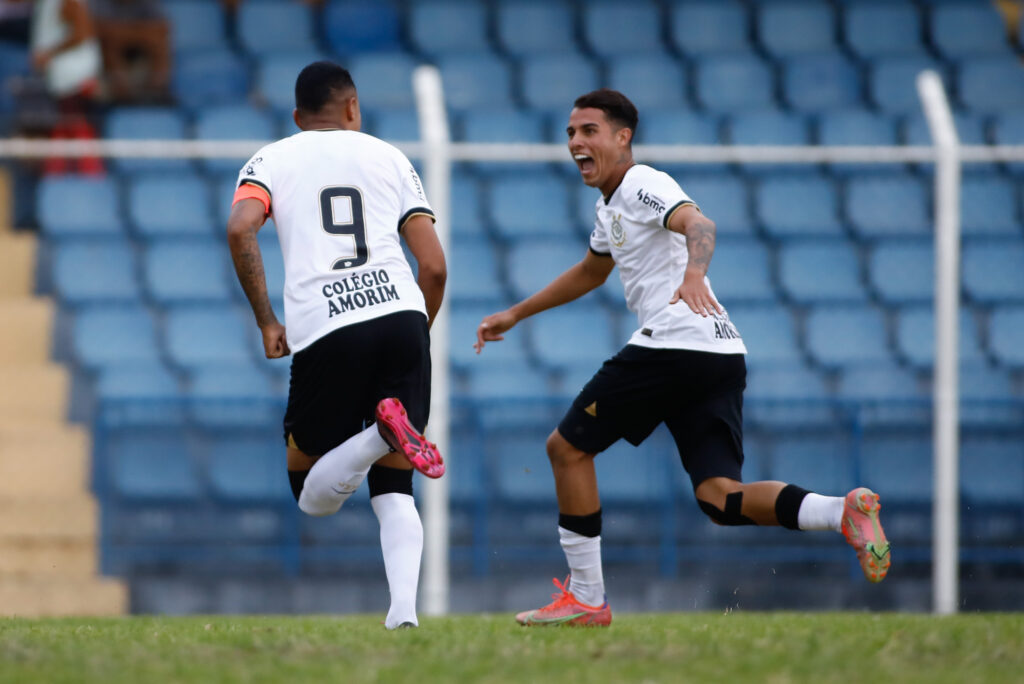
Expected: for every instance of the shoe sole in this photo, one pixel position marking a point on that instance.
(587, 620)
(875, 557)
(394, 426)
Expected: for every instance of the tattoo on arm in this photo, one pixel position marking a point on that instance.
(245, 252)
(700, 243)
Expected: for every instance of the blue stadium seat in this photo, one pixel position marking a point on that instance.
(531, 27)
(723, 198)
(276, 74)
(248, 468)
(465, 317)
(95, 271)
(359, 26)
(233, 122)
(552, 83)
(523, 473)
(741, 271)
(507, 381)
(903, 271)
(140, 381)
(988, 206)
(768, 127)
(678, 127)
(1008, 129)
(970, 128)
(821, 82)
(993, 270)
(196, 25)
(199, 336)
(474, 271)
(586, 203)
(769, 333)
(535, 262)
(634, 475)
(786, 396)
(889, 206)
(968, 29)
(384, 79)
(857, 127)
(186, 270)
(821, 464)
(529, 206)
(104, 336)
(991, 84)
(169, 206)
(233, 395)
(578, 335)
(153, 465)
(886, 395)
(892, 83)
(466, 214)
(900, 466)
(649, 80)
(147, 123)
(73, 206)
(915, 336)
(820, 271)
(796, 28)
(209, 77)
(438, 27)
(396, 124)
(268, 25)
(728, 83)
(1006, 335)
(986, 394)
(724, 27)
(847, 336)
(476, 81)
(503, 125)
(224, 185)
(992, 470)
(801, 205)
(883, 29)
(613, 30)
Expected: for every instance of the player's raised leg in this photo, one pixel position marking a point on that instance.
(339, 472)
(580, 600)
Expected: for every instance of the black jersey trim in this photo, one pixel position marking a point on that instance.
(253, 181)
(672, 210)
(413, 212)
(604, 254)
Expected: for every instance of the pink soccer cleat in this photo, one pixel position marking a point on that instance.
(394, 426)
(566, 610)
(863, 532)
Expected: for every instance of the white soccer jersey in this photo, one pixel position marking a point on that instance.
(631, 227)
(339, 199)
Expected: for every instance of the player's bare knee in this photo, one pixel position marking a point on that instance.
(561, 453)
(721, 499)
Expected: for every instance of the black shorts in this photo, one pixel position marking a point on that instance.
(698, 395)
(337, 381)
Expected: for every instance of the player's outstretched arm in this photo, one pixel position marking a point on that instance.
(572, 284)
(700, 246)
(247, 217)
(422, 239)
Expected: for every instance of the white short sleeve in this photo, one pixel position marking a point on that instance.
(655, 195)
(414, 200)
(257, 172)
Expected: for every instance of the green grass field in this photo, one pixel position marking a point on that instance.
(736, 647)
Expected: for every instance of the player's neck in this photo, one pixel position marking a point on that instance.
(609, 187)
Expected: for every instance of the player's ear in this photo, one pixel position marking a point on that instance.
(352, 113)
(624, 135)
(295, 117)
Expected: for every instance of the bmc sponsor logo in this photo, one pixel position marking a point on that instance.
(653, 201)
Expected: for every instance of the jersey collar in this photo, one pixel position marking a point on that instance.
(612, 193)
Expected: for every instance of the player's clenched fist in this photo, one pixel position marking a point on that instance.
(275, 344)
(492, 327)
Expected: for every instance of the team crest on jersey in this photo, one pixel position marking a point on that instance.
(618, 234)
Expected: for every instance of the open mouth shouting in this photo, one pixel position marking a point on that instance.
(585, 163)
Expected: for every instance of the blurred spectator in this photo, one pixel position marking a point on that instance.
(135, 39)
(65, 51)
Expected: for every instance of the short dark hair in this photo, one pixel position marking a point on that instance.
(616, 107)
(318, 82)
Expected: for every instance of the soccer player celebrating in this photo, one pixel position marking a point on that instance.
(357, 319)
(683, 366)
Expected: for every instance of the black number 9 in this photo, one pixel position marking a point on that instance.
(355, 226)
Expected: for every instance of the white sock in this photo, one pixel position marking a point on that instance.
(340, 471)
(584, 556)
(819, 512)
(401, 542)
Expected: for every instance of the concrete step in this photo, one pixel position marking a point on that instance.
(27, 323)
(43, 462)
(47, 597)
(33, 392)
(58, 558)
(17, 264)
(65, 517)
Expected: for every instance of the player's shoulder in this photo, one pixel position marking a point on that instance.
(641, 175)
(645, 186)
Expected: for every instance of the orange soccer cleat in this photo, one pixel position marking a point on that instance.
(863, 531)
(394, 426)
(566, 610)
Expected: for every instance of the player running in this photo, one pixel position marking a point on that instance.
(684, 366)
(357, 319)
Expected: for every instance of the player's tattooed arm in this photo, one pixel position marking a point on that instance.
(246, 218)
(700, 246)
